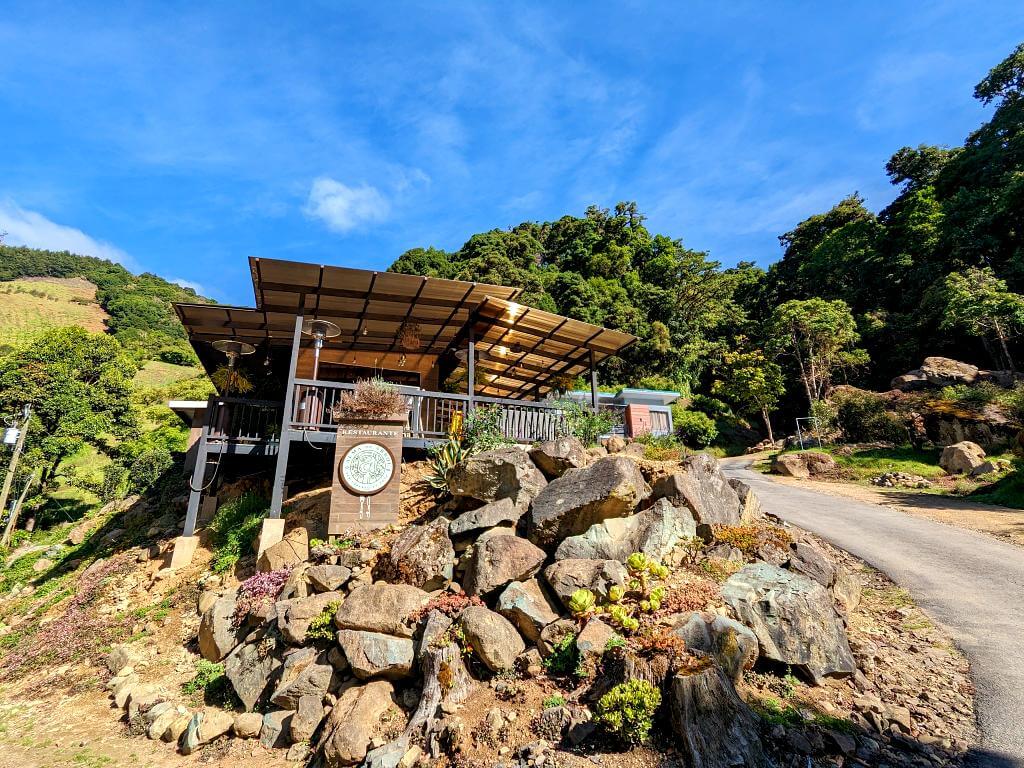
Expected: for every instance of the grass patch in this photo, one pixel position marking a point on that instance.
(157, 373)
(210, 686)
(1008, 491)
(33, 305)
(234, 528)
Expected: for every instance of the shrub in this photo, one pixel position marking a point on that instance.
(709, 406)
(483, 430)
(257, 591)
(321, 627)
(115, 482)
(555, 700)
(695, 428)
(662, 447)
(627, 710)
(564, 659)
(234, 527)
(371, 399)
(213, 684)
(585, 425)
(862, 417)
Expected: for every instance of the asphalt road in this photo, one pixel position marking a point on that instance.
(969, 583)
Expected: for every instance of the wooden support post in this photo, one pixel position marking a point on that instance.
(471, 363)
(281, 468)
(594, 397)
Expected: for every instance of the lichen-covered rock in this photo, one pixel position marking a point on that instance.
(372, 654)
(501, 512)
(492, 637)
(525, 604)
(610, 487)
(555, 457)
(291, 550)
(733, 645)
(249, 667)
(803, 464)
(218, 634)
(504, 473)
(295, 615)
(961, 458)
(422, 555)
(566, 576)
(353, 722)
(655, 532)
(385, 608)
(498, 560)
(305, 672)
(701, 487)
(793, 618)
(328, 578)
(946, 372)
(750, 505)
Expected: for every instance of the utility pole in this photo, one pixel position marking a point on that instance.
(16, 509)
(27, 412)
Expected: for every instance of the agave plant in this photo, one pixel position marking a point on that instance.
(444, 458)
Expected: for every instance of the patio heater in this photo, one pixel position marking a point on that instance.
(310, 406)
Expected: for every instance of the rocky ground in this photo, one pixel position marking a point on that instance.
(465, 636)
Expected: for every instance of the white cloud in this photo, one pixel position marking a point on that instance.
(197, 287)
(36, 231)
(343, 208)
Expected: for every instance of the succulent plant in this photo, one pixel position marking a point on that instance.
(582, 602)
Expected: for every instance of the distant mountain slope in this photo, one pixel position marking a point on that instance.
(137, 309)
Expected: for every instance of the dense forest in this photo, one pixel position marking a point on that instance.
(857, 295)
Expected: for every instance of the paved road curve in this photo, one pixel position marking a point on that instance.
(971, 584)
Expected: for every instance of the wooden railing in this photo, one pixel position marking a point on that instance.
(430, 414)
(238, 420)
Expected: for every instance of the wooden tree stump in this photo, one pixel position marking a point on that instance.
(716, 728)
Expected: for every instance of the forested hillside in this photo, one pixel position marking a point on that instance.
(857, 295)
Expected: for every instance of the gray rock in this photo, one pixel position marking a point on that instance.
(389, 755)
(385, 608)
(504, 473)
(593, 638)
(793, 618)
(492, 637)
(309, 713)
(248, 725)
(566, 576)
(218, 634)
(701, 487)
(305, 673)
(554, 633)
(422, 555)
(750, 505)
(500, 512)
(294, 616)
(353, 721)
(555, 457)
(733, 645)
(945, 372)
(655, 532)
(807, 559)
(372, 654)
(250, 666)
(276, 724)
(610, 487)
(526, 605)
(499, 560)
(328, 578)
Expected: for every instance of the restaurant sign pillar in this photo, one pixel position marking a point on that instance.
(367, 474)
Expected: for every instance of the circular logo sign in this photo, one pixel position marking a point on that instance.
(367, 468)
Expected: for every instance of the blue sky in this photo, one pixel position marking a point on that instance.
(182, 138)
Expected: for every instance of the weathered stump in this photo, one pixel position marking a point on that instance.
(715, 727)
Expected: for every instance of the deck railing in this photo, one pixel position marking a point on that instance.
(430, 414)
(239, 420)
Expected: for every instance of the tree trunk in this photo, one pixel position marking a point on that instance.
(13, 521)
(714, 727)
(1002, 344)
(768, 425)
(446, 682)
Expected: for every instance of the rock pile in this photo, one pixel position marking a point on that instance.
(366, 654)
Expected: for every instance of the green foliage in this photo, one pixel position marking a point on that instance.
(978, 302)
(483, 430)
(555, 700)
(695, 428)
(234, 528)
(661, 447)
(628, 710)
(443, 458)
(211, 685)
(581, 422)
(564, 659)
(750, 381)
(321, 626)
(862, 417)
(614, 642)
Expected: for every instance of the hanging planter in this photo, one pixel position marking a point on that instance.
(408, 336)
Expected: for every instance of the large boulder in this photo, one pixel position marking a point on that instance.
(962, 458)
(328, 578)
(501, 512)
(809, 560)
(911, 381)
(504, 473)
(803, 464)
(372, 654)
(422, 555)
(251, 665)
(218, 634)
(566, 576)
(492, 637)
(353, 722)
(289, 551)
(555, 457)
(526, 605)
(385, 608)
(700, 486)
(750, 505)
(733, 645)
(497, 560)
(295, 615)
(793, 618)
(945, 372)
(655, 532)
(610, 487)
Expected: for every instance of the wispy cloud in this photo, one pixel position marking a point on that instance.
(343, 208)
(35, 230)
(197, 287)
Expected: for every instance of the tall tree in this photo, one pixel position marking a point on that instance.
(978, 302)
(751, 382)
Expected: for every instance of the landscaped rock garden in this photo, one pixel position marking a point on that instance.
(559, 607)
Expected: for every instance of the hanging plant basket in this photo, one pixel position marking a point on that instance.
(408, 336)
